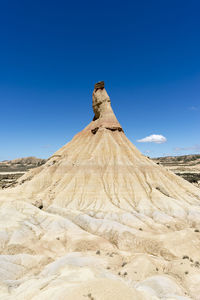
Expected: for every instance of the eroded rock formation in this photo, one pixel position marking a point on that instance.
(104, 116)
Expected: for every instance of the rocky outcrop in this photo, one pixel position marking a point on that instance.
(104, 116)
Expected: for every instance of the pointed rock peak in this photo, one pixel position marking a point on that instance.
(99, 85)
(104, 116)
(100, 100)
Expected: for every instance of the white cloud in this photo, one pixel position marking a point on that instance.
(154, 138)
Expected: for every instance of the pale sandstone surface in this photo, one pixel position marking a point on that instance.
(100, 221)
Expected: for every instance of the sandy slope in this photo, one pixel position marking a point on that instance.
(100, 220)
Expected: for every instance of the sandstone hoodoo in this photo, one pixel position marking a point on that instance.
(104, 116)
(100, 220)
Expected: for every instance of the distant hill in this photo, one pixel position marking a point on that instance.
(186, 166)
(11, 170)
(21, 164)
(191, 159)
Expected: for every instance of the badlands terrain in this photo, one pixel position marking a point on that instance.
(99, 220)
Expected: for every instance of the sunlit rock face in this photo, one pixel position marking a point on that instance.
(104, 116)
(100, 220)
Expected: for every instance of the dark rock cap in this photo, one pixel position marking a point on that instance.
(99, 85)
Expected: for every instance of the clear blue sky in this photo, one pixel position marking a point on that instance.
(52, 53)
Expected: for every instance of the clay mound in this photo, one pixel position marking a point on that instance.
(100, 220)
(101, 170)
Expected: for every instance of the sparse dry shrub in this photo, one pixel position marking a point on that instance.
(185, 257)
(124, 263)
